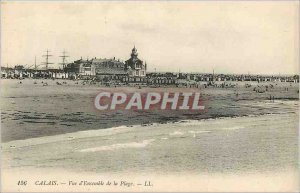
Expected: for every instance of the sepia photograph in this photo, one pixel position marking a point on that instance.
(149, 96)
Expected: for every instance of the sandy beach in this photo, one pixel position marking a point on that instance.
(56, 128)
(209, 155)
(31, 110)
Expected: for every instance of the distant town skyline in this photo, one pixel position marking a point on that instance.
(227, 37)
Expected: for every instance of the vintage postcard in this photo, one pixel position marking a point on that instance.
(149, 96)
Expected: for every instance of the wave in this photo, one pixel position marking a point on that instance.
(142, 144)
(176, 133)
(67, 136)
(191, 125)
(195, 132)
(233, 128)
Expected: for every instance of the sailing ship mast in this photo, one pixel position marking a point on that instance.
(64, 56)
(47, 59)
(35, 67)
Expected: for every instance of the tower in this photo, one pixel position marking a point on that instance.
(134, 65)
(134, 53)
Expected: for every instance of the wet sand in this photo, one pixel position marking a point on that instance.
(228, 145)
(245, 139)
(31, 110)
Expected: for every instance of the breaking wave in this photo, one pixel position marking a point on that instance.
(142, 144)
(233, 128)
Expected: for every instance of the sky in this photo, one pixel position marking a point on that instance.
(227, 37)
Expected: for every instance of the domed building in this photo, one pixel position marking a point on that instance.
(133, 70)
(134, 66)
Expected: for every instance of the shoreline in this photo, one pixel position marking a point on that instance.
(125, 128)
(155, 124)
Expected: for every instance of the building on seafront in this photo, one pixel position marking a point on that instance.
(133, 70)
(135, 66)
(109, 69)
(79, 68)
(96, 68)
(21, 72)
